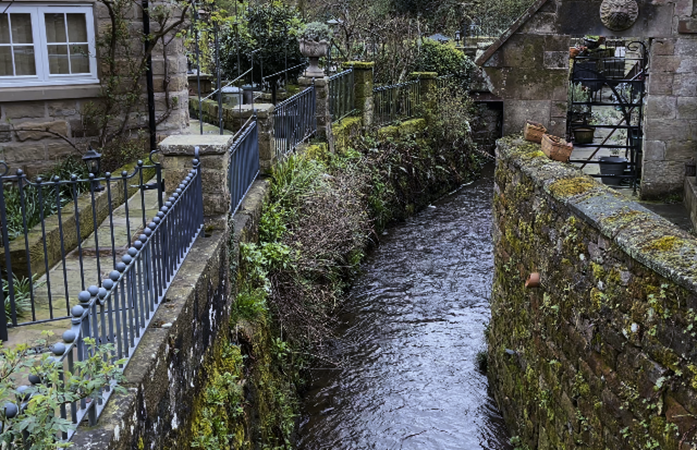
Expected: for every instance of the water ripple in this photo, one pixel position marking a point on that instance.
(410, 333)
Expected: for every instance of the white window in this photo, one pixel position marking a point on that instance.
(46, 45)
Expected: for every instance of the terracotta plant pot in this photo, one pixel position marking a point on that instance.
(556, 148)
(533, 280)
(533, 131)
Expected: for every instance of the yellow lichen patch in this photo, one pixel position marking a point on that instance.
(663, 244)
(569, 187)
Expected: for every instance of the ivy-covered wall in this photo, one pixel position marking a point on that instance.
(603, 354)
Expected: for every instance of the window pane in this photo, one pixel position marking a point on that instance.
(24, 60)
(79, 59)
(21, 28)
(5, 62)
(4, 29)
(58, 59)
(55, 28)
(77, 28)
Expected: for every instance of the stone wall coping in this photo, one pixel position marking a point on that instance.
(423, 75)
(208, 144)
(359, 65)
(645, 236)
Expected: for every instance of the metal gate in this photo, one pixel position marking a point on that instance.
(606, 97)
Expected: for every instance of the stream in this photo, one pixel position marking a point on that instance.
(408, 338)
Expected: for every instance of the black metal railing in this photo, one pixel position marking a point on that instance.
(397, 101)
(58, 236)
(120, 310)
(294, 121)
(244, 162)
(341, 99)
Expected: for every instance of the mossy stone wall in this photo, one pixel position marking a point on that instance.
(604, 353)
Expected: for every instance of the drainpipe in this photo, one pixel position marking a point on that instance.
(148, 77)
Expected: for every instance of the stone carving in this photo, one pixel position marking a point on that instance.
(618, 15)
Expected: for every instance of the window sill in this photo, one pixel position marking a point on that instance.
(40, 93)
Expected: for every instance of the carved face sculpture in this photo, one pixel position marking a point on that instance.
(618, 15)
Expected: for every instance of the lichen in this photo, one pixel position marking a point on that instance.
(569, 187)
(663, 244)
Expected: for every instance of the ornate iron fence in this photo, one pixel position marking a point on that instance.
(341, 97)
(244, 162)
(120, 310)
(397, 101)
(48, 226)
(294, 121)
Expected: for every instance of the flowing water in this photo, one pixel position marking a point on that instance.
(409, 335)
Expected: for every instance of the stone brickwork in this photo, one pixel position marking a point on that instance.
(528, 67)
(35, 122)
(671, 114)
(363, 89)
(601, 355)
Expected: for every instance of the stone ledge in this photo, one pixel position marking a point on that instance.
(27, 94)
(208, 144)
(635, 229)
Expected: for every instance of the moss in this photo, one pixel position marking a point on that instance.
(359, 64)
(410, 127)
(569, 187)
(663, 244)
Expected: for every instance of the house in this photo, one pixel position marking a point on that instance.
(528, 66)
(53, 73)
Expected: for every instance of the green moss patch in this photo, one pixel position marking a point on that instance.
(569, 187)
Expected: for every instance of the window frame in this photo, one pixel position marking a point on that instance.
(43, 76)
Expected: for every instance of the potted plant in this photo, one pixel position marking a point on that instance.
(580, 113)
(613, 167)
(314, 44)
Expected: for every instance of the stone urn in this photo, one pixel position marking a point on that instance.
(314, 50)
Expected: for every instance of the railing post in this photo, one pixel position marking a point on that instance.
(429, 84)
(363, 89)
(322, 113)
(177, 153)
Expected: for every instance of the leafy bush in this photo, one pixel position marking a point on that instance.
(22, 295)
(44, 200)
(270, 28)
(444, 59)
(30, 415)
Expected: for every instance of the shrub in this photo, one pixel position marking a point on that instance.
(271, 29)
(30, 418)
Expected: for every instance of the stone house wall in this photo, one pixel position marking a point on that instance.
(602, 354)
(528, 67)
(33, 120)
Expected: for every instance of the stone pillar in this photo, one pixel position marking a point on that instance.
(428, 81)
(324, 119)
(363, 88)
(214, 154)
(235, 117)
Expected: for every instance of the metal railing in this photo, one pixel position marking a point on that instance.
(120, 310)
(397, 101)
(294, 121)
(46, 226)
(244, 162)
(341, 97)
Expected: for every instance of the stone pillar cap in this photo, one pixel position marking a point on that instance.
(359, 65)
(208, 144)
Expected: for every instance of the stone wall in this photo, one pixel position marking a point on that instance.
(602, 354)
(526, 67)
(34, 121)
(530, 72)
